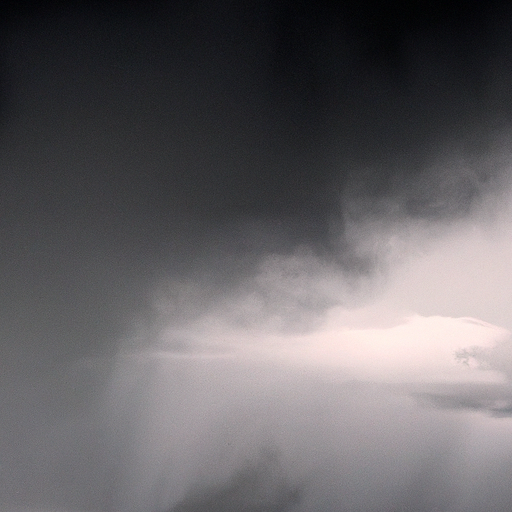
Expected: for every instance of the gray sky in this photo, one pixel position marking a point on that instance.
(255, 257)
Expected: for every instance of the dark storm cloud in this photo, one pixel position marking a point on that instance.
(151, 117)
(190, 139)
(183, 146)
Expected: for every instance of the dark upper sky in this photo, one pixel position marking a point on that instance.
(139, 140)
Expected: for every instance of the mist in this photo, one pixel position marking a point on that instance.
(255, 257)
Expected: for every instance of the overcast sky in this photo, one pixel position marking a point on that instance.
(256, 257)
